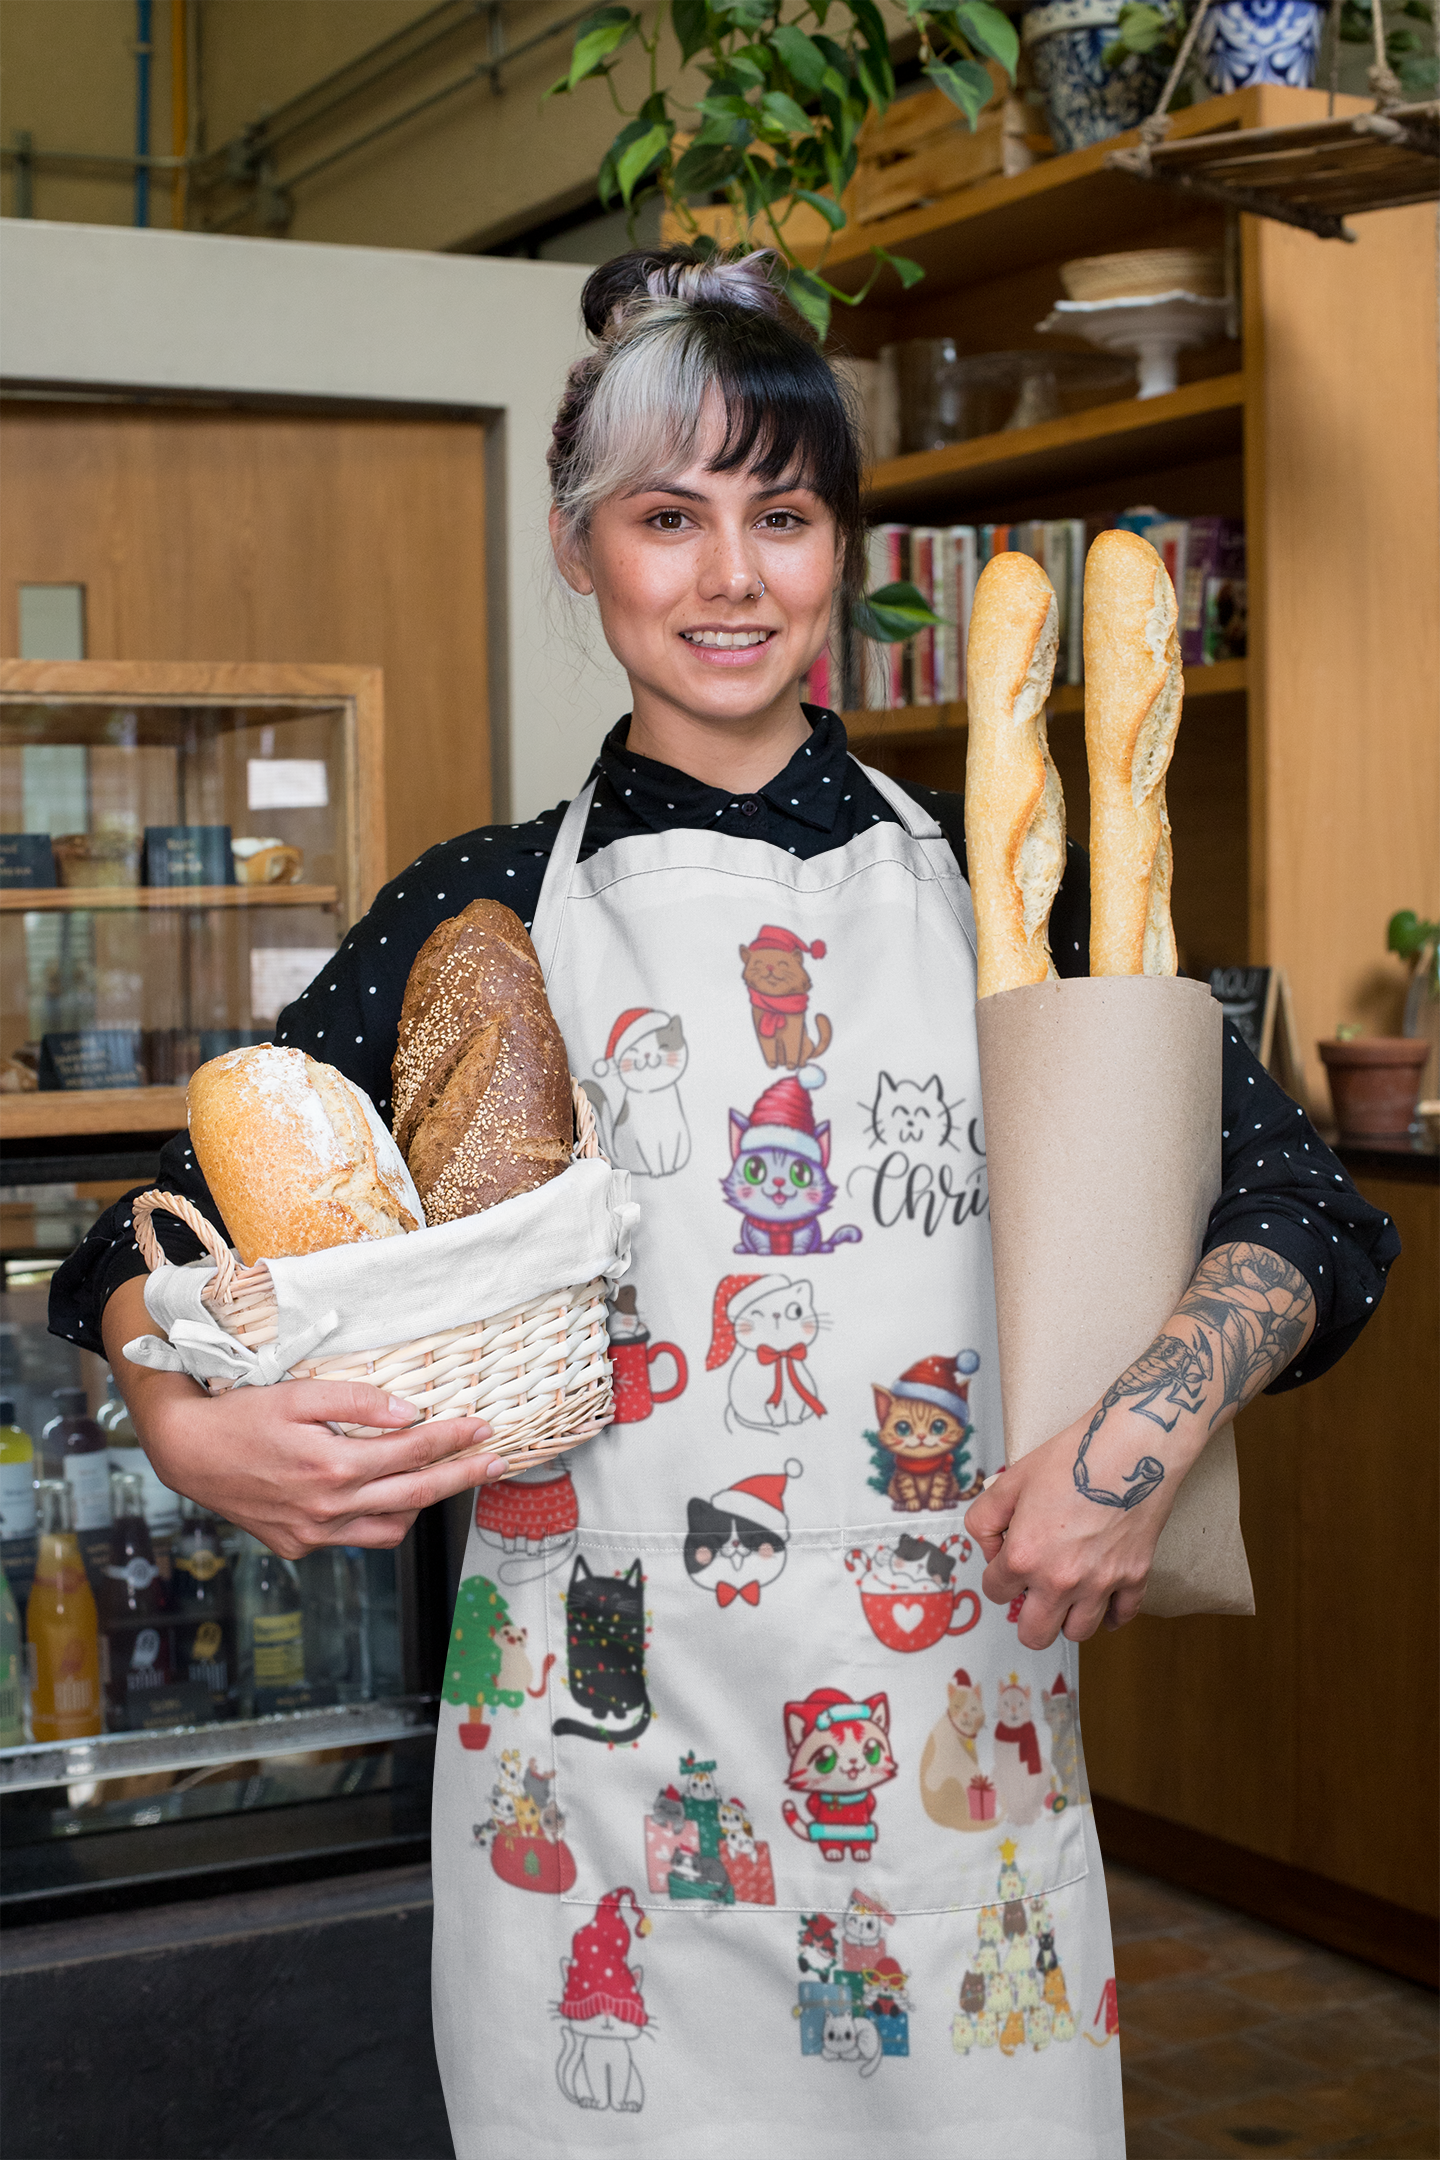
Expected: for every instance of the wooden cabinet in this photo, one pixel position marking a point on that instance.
(1290, 1757)
(117, 978)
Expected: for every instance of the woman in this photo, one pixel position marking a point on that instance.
(868, 1877)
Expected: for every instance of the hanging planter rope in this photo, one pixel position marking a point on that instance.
(1313, 175)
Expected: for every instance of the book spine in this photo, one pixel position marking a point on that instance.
(897, 569)
(922, 646)
(1202, 561)
(944, 635)
(967, 569)
(1075, 643)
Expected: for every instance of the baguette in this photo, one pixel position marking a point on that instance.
(295, 1155)
(1133, 692)
(1014, 809)
(483, 1108)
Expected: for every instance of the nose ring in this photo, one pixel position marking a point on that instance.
(757, 596)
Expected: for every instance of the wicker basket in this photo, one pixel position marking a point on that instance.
(539, 1374)
(1144, 272)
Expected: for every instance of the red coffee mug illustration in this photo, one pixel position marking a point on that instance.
(632, 1359)
(906, 1621)
(908, 1591)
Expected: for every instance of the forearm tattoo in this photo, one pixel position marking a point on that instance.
(1248, 1313)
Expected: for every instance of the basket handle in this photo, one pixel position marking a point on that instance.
(587, 1139)
(209, 1236)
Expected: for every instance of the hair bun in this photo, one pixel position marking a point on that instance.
(678, 273)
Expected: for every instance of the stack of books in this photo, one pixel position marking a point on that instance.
(1205, 557)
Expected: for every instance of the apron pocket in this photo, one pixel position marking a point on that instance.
(763, 1725)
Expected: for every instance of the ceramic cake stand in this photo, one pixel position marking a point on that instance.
(1154, 328)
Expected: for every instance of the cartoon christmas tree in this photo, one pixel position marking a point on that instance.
(472, 1670)
(1013, 1994)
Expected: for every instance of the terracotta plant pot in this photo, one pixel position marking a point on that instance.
(1374, 1083)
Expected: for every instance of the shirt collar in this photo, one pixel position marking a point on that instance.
(809, 790)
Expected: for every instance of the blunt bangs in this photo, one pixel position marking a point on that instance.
(634, 411)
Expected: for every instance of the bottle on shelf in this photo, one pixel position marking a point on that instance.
(270, 1624)
(12, 1690)
(17, 1476)
(61, 1627)
(133, 1611)
(337, 1630)
(74, 1448)
(203, 1592)
(162, 1507)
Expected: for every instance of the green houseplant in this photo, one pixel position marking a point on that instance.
(1375, 1079)
(786, 93)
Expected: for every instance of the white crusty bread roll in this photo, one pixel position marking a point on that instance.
(1133, 690)
(1014, 810)
(295, 1155)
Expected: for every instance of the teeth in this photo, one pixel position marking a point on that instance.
(725, 639)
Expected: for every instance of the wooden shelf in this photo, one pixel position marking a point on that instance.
(52, 899)
(1055, 210)
(1199, 420)
(50, 1113)
(921, 723)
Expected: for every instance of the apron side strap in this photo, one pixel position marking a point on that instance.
(555, 886)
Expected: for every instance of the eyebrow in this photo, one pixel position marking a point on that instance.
(765, 494)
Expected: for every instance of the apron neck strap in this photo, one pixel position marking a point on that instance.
(555, 885)
(911, 816)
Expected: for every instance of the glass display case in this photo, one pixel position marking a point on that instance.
(181, 848)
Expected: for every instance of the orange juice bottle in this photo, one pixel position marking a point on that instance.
(61, 1629)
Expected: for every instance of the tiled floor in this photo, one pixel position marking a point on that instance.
(1238, 2040)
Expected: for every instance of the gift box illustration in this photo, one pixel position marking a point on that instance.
(819, 1999)
(700, 1848)
(981, 1796)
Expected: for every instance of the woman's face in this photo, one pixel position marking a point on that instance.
(678, 571)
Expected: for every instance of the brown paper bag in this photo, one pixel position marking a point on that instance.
(1101, 1097)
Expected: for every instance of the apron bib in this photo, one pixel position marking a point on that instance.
(752, 1817)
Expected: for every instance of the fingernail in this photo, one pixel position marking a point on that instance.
(496, 1467)
(400, 1408)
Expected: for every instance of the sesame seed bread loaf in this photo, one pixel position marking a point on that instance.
(1014, 810)
(295, 1155)
(1133, 692)
(483, 1108)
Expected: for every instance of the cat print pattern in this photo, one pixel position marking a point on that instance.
(736, 1541)
(605, 1655)
(645, 1130)
(920, 1443)
(779, 1177)
(762, 1327)
(602, 2011)
(840, 1754)
(701, 1848)
(779, 988)
(489, 1661)
(854, 1997)
(932, 1157)
(524, 1832)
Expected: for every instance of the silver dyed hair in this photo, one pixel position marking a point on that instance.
(672, 334)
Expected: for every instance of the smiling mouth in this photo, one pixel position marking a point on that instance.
(726, 640)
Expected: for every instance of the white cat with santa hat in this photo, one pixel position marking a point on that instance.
(770, 1322)
(648, 1054)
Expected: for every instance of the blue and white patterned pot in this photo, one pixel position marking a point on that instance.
(1086, 100)
(1261, 41)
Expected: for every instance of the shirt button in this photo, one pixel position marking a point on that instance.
(749, 809)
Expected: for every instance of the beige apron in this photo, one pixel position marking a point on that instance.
(755, 1827)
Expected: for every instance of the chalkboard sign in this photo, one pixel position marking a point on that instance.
(188, 855)
(27, 862)
(92, 1058)
(1256, 1002)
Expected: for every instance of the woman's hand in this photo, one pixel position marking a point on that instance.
(265, 1458)
(1072, 1527)
(1074, 1564)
